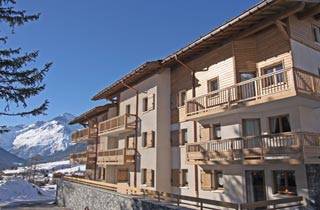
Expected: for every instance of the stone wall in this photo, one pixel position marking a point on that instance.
(313, 179)
(78, 197)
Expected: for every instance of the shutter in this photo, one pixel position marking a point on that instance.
(206, 180)
(150, 178)
(205, 133)
(175, 138)
(175, 176)
(143, 176)
(151, 102)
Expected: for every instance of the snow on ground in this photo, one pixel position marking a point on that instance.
(15, 190)
(54, 165)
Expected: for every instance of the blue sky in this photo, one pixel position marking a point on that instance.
(93, 43)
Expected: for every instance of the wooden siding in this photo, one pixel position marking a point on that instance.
(301, 31)
(181, 78)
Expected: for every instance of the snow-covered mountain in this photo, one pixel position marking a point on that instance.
(40, 138)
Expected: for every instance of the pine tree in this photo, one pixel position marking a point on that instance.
(19, 80)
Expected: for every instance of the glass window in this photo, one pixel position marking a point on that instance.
(219, 182)
(284, 182)
(244, 76)
(128, 107)
(182, 96)
(216, 131)
(145, 104)
(213, 85)
(279, 124)
(184, 177)
(144, 139)
(251, 127)
(184, 136)
(271, 80)
(143, 176)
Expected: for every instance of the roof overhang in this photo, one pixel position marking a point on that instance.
(253, 20)
(145, 70)
(85, 117)
(260, 16)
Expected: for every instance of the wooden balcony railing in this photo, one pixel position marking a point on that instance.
(302, 146)
(79, 157)
(84, 134)
(116, 157)
(118, 124)
(307, 83)
(257, 90)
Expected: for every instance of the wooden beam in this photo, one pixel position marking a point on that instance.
(309, 12)
(282, 27)
(270, 21)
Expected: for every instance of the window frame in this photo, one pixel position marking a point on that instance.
(145, 104)
(128, 109)
(213, 132)
(244, 126)
(277, 186)
(277, 78)
(279, 117)
(209, 86)
(217, 186)
(182, 103)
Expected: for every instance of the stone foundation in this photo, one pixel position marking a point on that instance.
(78, 197)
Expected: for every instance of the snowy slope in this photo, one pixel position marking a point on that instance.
(8, 160)
(40, 138)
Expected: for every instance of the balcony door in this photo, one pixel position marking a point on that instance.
(247, 90)
(255, 186)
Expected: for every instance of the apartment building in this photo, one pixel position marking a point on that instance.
(234, 116)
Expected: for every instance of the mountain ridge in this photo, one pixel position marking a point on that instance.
(44, 138)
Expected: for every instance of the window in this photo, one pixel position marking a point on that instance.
(143, 176)
(179, 177)
(182, 96)
(213, 84)
(316, 33)
(251, 127)
(279, 124)
(284, 182)
(128, 107)
(145, 104)
(271, 80)
(218, 179)
(144, 139)
(216, 131)
(179, 137)
(183, 136)
(244, 76)
(148, 139)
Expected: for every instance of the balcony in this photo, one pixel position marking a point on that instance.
(269, 87)
(116, 157)
(84, 135)
(294, 148)
(117, 125)
(80, 158)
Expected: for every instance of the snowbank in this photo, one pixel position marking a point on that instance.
(17, 190)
